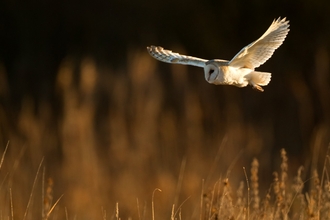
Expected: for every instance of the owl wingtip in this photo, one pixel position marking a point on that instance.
(152, 47)
(281, 20)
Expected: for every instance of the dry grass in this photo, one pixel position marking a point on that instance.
(287, 198)
(109, 138)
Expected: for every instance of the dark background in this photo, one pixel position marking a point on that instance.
(77, 82)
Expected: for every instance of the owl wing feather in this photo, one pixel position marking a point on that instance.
(259, 51)
(168, 56)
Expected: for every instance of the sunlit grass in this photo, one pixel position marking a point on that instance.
(288, 197)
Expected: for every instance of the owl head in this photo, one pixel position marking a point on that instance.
(213, 72)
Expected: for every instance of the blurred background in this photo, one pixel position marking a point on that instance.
(79, 90)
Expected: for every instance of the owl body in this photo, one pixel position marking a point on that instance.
(240, 70)
(221, 73)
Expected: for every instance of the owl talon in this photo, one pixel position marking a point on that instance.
(258, 88)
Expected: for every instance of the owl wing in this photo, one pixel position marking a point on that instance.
(259, 51)
(168, 56)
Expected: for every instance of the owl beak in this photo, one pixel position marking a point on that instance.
(209, 78)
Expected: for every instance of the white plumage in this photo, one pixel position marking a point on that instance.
(240, 70)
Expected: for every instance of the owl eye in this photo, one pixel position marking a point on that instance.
(211, 71)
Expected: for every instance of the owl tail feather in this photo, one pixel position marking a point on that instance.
(260, 78)
(257, 79)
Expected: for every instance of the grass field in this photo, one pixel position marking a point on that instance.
(109, 139)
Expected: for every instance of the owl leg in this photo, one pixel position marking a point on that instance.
(257, 87)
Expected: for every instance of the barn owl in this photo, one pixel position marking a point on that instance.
(239, 71)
